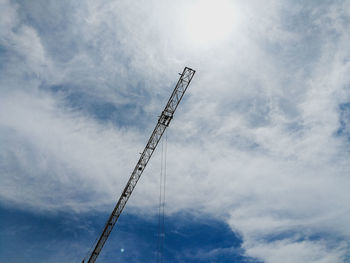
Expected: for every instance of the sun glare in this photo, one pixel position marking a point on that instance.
(209, 21)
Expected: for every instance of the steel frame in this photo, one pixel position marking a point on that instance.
(163, 122)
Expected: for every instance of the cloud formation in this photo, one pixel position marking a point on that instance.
(261, 139)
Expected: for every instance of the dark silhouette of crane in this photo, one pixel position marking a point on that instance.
(163, 122)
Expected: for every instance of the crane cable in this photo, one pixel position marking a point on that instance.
(161, 206)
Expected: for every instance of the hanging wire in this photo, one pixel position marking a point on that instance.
(160, 202)
(161, 206)
(164, 184)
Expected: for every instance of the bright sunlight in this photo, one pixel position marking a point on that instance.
(209, 22)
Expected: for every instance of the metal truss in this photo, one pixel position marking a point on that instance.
(163, 122)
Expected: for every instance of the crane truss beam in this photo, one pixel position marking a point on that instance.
(163, 122)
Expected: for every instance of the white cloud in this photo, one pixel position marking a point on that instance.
(291, 251)
(53, 158)
(255, 141)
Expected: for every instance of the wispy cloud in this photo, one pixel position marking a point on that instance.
(260, 140)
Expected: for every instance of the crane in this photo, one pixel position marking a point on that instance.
(163, 122)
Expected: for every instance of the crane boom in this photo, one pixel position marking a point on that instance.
(162, 124)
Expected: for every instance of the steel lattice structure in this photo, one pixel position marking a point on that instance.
(163, 122)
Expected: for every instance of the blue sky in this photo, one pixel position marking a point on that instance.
(64, 236)
(258, 152)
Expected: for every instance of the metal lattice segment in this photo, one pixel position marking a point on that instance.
(163, 123)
